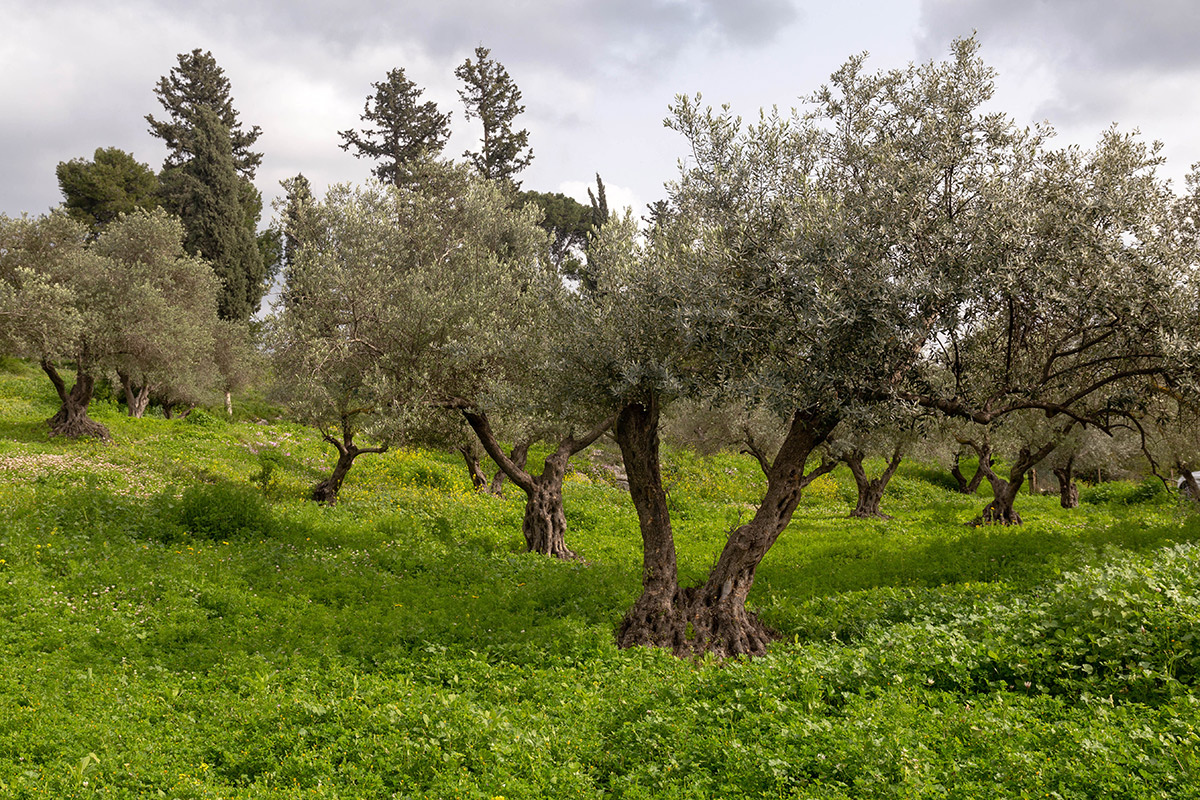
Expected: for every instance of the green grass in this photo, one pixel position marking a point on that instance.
(179, 622)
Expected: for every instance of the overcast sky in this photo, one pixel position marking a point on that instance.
(596, 75)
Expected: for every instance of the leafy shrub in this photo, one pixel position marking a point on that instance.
(270, 467)
(223, 510)
(200, 418)
(1148, 491)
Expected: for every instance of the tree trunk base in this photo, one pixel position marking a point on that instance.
(326, 492)
(694, 623)
(77, 425)
(550, 545)
(995, 514)
(545, 524)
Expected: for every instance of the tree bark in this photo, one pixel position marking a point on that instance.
(326, 491)
(870, 491)
(545, 524)
(971, 486)
(72, 420)
(137, 399)
(474, 470)
(1001, 510)
(1068, 492)
(712, 617)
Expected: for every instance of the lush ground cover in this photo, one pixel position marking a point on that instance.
(176, 621)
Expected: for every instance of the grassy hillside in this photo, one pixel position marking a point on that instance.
(176, 621)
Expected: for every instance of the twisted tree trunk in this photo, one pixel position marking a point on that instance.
(712, 617)
(72, 420)
(870, 491)
(1068, 492)
(326, 491)
(971, 486)
(1004, 492)
(545, 524)
(137, 398)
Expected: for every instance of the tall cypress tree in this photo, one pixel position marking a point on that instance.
(211, 198)
(490, 95)
(206, 179)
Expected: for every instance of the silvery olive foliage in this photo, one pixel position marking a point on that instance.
(130, 300)
(397, 299)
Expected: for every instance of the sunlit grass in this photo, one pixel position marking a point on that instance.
(402, 644)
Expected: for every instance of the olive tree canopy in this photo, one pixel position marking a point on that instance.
(130, 301)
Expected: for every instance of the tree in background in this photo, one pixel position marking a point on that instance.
(206, 180)
(199, 83)
(404, 131)
(887, 434)
(113, 183)
(219, 209)
(1078, 317)
(298, 196)
(394, 300)
(490, 95)
(130, 300)
(569, 224)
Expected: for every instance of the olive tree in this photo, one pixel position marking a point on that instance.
(802, 265)
(1078, 314)
(129, 301)
(392, 301)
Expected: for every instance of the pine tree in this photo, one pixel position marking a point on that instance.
(98, 191)
(405, 131)
(490, 95)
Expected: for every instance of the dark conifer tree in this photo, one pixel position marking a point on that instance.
(490, 95)
(211, 198)
(404, 133)
(206, 180)
(198, 82)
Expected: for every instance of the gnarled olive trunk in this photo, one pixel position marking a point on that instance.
(712, 617)
(1068, 492)
(72, 420)
(971, 486)
(137, 398)
(1004, 492)
(545, 524)
(327, 490)
(870, 490)
(1001, 510)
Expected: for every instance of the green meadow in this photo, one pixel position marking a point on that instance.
(177, 621)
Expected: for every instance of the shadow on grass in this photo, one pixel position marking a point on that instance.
(25, 431)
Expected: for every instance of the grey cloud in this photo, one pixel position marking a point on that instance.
(1092, 49)
(574, 36)
(1081, 34)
